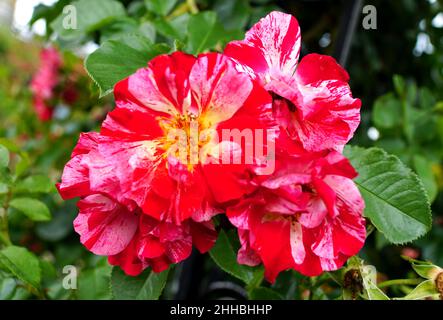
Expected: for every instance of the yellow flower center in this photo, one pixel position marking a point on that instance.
(186, 137)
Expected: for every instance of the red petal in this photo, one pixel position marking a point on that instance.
(75, 179)
(179, 250)
(86, 142)
(135, 124)
(128, 259)
(203, 235)
(151, 247)
(276, 40)
(105, 227)
(227, 181)
(162, 87)
(246, 255)
(276, 254)
(42, 109)
(159, 264)
(220, 90)
(315, 67)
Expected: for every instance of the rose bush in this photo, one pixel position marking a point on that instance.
(217, 140)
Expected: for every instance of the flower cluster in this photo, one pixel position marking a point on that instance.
(49, 85)
(307, 215)
(251, 133)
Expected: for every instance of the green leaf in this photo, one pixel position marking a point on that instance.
(178, 45)
(22, 164)
(411, 93)
(424, 269)
(225, 257)
(263, 293)
(147, 29)
(60, 225)
(426, 98)
(4, 156)
(7, 286)
(6, 180)
(32, 208)
(147, 286)
(119, 28)
(424, 170)
(395, 199)
(40, 11)
(174, 28)
(203, 32)
(4, 189)
(48, 271)
(89, 16)
(161, 7)
(35, 184)
(387, 112)
(22, 264)
(10, 145)
(93, 284)
(48, 13)
(124, 26)
(424, 290)
(117, 59)
(234, 14)
(399, 84)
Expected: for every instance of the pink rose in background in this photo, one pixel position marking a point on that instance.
(45, 80)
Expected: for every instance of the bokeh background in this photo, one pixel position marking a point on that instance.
(396, 69)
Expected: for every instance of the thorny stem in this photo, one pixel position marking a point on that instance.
(399, 282)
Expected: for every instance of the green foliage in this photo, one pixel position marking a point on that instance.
(234, 14)
(394, 196)
(90, 16)
(93, 283)
(4, 157)
(423, 167)
(117, 59)
(225, 257)
(408, 124)
(424, 290)
(22, 264)
(263, 293)
(35, 184)
(174, 28)
(202, 32)
(147, 286)
(161, 7)
(386, 113)
(32, 208)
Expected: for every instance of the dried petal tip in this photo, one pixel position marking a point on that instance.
(439, 284)
(353, 281)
